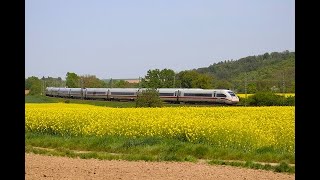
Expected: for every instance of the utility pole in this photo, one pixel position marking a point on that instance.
(44, 87)
(174, 81)
(283, 84)
(245, 89)
(139, 82)
(81, 85)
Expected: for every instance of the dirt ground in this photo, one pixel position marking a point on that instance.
(50, 167)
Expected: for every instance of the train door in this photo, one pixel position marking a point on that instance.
(83, 93)
(177, 94)
(220, 97)
(215, 97)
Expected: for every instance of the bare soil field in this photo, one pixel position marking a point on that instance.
(51, 167)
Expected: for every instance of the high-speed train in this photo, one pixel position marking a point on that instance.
(174, 95)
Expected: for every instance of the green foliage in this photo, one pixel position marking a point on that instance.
(151, 148)
(53, 82)
(149, 98)
(194, 79)
(72, 80)
(34, 84)
(290, 101)
(222, 84)
(261, 72)
(158, 79)
(40, 99)
(284, 167)
(121, 84)
(91, 81)
(269, 99)
(45, 99)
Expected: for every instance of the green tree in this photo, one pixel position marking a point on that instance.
(194, 79)
(158, 79)
(34, 84)
(152, 79)
(149, 98)
(72, 80)
(91, 81)
(167, 78)
(203, 81)
(121, 84)
(222, 84)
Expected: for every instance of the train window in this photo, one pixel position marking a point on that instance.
(198, 94)
(74, 92)
(122, 93)
(165, 94)
(231, 93)
(220, 95)
(100, 92)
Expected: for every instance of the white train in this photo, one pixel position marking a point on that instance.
(174, 95)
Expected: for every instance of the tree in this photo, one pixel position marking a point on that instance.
(91, 81)
(149, 98)
(34, 84)
(158, 79)
(194, 79)
(222, 84)
(72, 80)
(152, 79)
(167, 78)
(203, 81)
(121, 84)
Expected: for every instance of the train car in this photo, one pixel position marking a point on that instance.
(96, 93)
(76, 93)
(196, 95)
(54, 91)
(168, 94)
(128, 94)
(214, 96)
(64, 92)
(48, 91)
(225, 96)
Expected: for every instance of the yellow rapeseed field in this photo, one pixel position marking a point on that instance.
(282, 94)
(248, 128)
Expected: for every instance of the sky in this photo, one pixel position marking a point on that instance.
(123, 39)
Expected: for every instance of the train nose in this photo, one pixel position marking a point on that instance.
(235, 99)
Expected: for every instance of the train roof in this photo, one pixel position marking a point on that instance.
(75, 89)
(97, 89)
(123, 89)
(164, 90)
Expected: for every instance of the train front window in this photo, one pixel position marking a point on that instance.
(220, 95)
(231, 93)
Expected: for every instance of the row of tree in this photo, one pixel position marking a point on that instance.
(268, 72)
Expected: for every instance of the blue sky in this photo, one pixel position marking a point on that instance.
(126, 38)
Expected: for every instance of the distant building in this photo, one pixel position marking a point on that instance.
(127, 80)
(132, 80)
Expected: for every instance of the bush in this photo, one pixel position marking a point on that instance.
(149, 98)
(266, 99)
(290, 101)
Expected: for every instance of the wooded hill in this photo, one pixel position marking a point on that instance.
(274, 71)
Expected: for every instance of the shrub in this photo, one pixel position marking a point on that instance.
(290, 101)
(266, 99)
(149, 98)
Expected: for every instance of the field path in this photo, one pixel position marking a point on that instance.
(51, 167)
